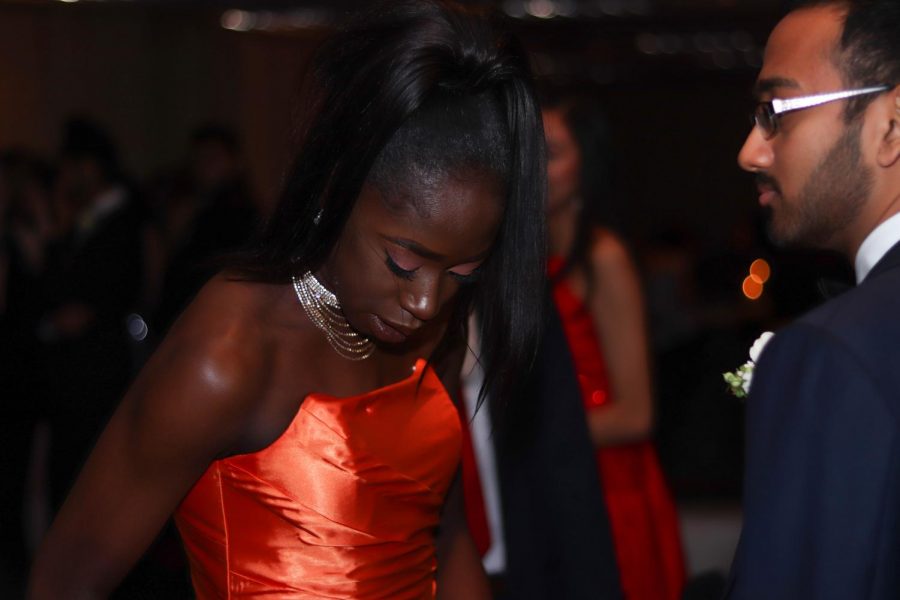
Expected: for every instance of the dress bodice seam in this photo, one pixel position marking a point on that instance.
(223, 512)
(421, 373)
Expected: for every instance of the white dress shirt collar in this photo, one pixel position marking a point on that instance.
(876, 245)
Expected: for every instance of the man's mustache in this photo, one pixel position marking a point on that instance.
(764, 179)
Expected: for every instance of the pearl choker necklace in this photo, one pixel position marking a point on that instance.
(324, 310)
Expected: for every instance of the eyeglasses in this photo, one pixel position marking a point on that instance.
(767, 113)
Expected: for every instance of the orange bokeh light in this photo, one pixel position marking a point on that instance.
(752, 288)
(760, 270)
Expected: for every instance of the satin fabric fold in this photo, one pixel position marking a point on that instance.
(344, 504)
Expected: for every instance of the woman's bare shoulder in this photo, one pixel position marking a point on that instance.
(609, 255)
(213, 364)
(226, 320)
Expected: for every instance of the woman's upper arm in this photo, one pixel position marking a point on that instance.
(460, 573)
(617, 308)
(188, 406)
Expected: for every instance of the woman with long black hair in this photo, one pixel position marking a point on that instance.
(299, 418)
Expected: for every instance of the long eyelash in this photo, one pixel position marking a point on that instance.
(397, 270)
(466, 279)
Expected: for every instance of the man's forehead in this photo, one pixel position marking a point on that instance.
(800, 52)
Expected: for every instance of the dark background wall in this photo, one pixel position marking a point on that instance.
(151, 71)
(150, 74)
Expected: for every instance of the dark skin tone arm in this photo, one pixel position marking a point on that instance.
(460, 573)
(189, 405)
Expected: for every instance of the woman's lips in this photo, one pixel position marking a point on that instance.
(389, 332)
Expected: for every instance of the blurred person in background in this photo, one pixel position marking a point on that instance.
(93, 281)
(209, 212)
(597, 291)
(25, 229)
(534, 500)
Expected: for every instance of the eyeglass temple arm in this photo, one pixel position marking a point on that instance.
(783, 105)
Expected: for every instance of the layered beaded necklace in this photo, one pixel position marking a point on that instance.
(324, 310)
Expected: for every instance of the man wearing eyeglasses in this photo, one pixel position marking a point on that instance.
(822, 481)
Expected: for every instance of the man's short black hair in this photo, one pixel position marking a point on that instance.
(85, 139)
(869, 51)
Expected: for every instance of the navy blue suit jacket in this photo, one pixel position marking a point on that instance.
(558, 540)
(822, 481)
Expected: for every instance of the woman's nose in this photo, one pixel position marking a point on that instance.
(421, 298)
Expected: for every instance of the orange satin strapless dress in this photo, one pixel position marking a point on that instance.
(344, 504)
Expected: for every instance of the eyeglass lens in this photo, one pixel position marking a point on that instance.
(765, 119)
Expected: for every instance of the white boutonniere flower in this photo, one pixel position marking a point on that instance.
(739, 380)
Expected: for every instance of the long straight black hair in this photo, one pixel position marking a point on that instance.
(367, 81)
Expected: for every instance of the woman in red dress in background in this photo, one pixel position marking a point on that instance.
(597, 293)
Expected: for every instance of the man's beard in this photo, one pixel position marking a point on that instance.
(830, 201)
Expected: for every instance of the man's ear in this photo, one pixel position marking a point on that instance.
(889, 148)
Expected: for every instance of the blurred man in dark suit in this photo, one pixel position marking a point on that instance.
(93, 281)
(822, 487)
(216, 215)
(544, 531)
